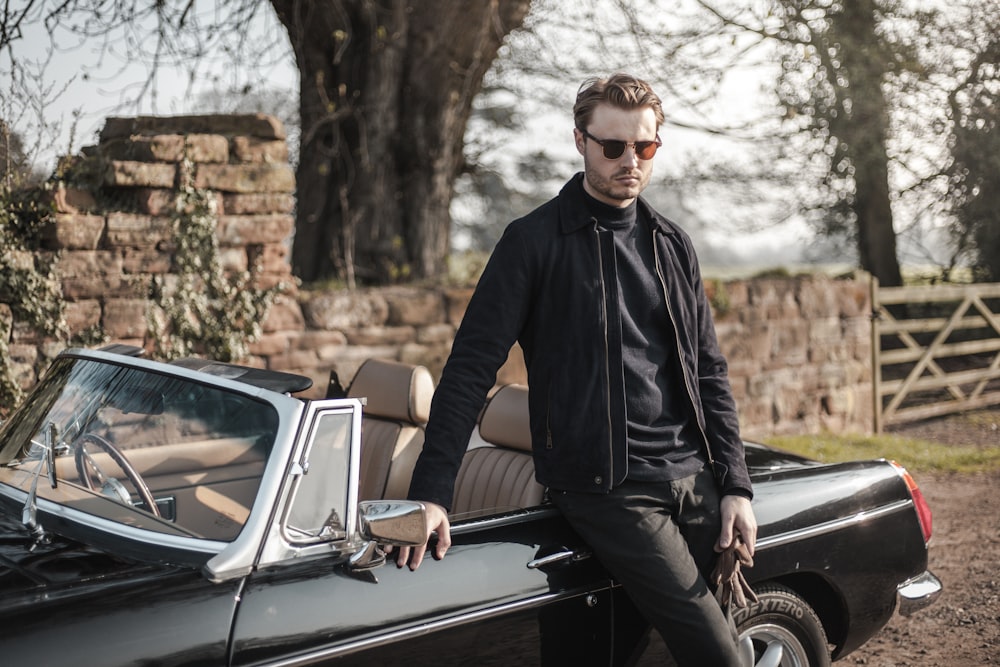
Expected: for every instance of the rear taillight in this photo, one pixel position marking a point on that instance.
(919, 502)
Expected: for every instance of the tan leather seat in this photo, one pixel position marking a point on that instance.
(500, 476)
(392, 427)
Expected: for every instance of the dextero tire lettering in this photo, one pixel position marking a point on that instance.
(783, 621)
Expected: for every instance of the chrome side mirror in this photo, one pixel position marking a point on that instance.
(401, 523)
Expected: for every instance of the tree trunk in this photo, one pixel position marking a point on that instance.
(864, 130)
(386, 91)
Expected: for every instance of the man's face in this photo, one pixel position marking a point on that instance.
(618, 181)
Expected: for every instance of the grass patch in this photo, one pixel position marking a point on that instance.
(916, 455)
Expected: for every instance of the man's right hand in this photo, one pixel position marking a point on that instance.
(437, 520)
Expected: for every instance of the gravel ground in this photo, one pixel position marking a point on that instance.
(962, 629)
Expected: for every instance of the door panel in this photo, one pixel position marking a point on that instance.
(482, 604)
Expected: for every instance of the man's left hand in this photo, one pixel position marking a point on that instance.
(737, 519)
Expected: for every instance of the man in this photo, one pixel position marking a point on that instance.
(633, 422)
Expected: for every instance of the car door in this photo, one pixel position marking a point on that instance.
(515, 588)
(493, 600)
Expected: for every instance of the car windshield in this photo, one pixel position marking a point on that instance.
(189, 456)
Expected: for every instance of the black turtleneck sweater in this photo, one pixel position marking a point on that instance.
(661, 443)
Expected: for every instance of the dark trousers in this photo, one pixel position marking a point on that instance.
(657, 540)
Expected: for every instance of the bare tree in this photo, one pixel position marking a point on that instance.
(835, 65)
(972, 116)
(386, 90)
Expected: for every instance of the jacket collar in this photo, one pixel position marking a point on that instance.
(574, 216)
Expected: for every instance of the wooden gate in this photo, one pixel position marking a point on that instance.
(935, 349)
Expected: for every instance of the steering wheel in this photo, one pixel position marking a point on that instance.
(83, 458)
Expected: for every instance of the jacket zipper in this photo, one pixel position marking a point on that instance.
(680, 354)
(607, 370)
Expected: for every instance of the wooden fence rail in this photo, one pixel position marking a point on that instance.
(935, 349)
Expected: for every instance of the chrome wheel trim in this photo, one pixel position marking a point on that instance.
(776, 646)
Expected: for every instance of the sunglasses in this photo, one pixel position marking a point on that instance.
(614, 149)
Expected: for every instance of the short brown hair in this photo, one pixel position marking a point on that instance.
(620, 90)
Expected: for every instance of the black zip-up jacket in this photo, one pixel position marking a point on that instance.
(550, 285)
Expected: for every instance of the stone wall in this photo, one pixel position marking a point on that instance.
(799, 349)
(799, 352)
(113, 228)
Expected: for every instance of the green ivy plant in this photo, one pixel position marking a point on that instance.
(29, 284)
(200, 308)
(718, 297)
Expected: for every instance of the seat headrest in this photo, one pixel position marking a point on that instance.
(394, 390)
(505, 418)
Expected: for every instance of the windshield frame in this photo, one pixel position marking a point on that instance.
(140, 532)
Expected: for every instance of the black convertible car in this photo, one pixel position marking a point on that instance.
(198, 513)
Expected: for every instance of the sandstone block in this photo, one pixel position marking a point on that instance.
(206, 148)
(254, 229)
(75, 231)
(293, 359)
(314, 340)
(156, 201)
(90, 288)
(106, 286)
(773, 299)
(817, 297)
(254, 149)
(333, 347)
(168, 148)
(22, 358)
(825, 331)
(789, 343)
(436, 334)
(738, 295)
(285, 315)
(128, 173)
(146, 260)
(271, 258)
(374, 336)
(245, 177)
(125, 318)
(23, 332)
(854, 298)
(345, 310)
(837, 351)
(270, 344)
(257, 202)
(94, 274)
(137, 230)
(157, 148)
(89, 263)
(82, 315)
(412, 306)
(841, 402)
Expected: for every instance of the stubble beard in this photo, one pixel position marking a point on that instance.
(612, 189)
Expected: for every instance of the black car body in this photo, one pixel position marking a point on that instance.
(264, 544)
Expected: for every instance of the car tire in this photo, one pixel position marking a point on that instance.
(782, 618)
